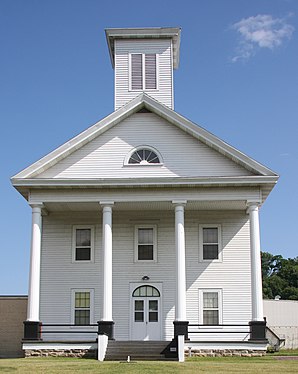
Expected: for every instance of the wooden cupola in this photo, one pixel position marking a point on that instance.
(143, 60)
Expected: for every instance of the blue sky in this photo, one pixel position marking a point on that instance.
(237, 78)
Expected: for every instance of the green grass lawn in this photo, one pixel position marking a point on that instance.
(270, 364)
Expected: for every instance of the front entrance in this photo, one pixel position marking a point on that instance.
(146, 313)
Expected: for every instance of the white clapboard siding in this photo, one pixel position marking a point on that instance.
(59, 275)
(183, 155)
(161, 47)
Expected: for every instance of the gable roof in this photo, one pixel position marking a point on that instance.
(137, 104)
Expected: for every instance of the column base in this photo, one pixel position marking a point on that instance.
(106, 328)
(32, 330)
(257, 330)
(181, 328)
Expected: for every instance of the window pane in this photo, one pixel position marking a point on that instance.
(145, 236)
(150, 71)
(82, 300)
(143, 291)
(153, 305)
(145, 252)
(210, 235)
(210, 317)
(134, 159)
(83, 254)
(148, 154)
(139, 305)
(136, 72)
(210, 300)
(136, 292)
(210, 252)
(155, 292)
(82, 317)
(139, 316)
(153, 316)
(83, 237)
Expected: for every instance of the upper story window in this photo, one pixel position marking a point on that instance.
(143, 71)
(210, 243)
(144, 156)
(145, 243)
(83, 243)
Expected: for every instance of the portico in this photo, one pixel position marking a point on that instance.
(107, 273)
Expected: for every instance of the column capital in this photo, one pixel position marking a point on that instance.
(179, 202)
(106, 203)
(252, 205)
(37, 205)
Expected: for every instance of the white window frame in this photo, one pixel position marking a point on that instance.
(220, 248)
(143, 71)
(128, 156)
(74, 229)
(136, 242)
(73, 294)
(220, 306)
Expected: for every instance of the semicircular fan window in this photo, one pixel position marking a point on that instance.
(144, 156)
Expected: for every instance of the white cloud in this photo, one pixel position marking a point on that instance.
(261, 31)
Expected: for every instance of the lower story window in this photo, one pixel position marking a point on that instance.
(82, 307)
(210, 307)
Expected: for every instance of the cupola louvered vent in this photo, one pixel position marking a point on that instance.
(136, 72)
(150, 71)
(143, 71)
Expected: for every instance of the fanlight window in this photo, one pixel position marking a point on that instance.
(144, 156)
(146, 291)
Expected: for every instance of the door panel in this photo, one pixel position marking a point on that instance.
(146, 318)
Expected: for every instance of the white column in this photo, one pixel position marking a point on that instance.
(107, 262)
(34, 273)
(180, 308)
(256, 270)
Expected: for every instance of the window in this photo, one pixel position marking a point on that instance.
(144, 156)
(210, 307)
(145, 243)
(82, 306)
(210, 243)
(146, 291)
(83, 243)
(143, 71)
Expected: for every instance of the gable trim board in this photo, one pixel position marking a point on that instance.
(143, 101)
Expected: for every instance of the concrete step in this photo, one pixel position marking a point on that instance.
(137, 350)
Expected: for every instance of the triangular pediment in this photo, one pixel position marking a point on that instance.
(188, 150)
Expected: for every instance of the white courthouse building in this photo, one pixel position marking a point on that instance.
(145, 226)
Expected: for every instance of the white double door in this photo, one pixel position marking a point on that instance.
(145, 318)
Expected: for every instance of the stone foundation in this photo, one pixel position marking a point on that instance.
(81, 353)
(224, 353)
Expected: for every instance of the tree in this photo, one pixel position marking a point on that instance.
(280, 276)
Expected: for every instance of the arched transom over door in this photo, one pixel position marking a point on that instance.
(146, 313)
